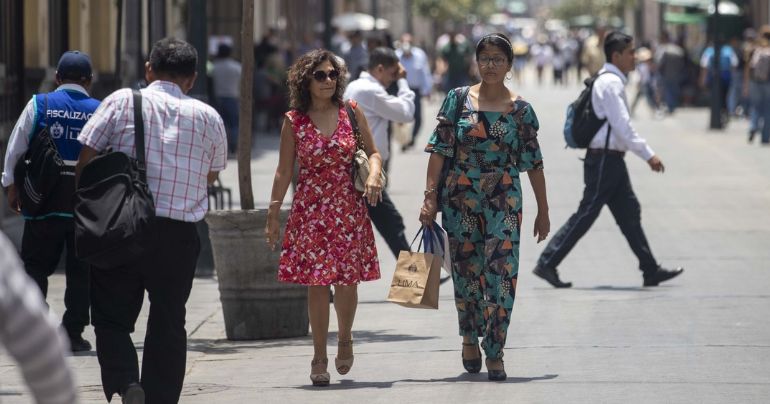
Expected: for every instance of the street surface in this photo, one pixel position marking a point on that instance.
(703, 337)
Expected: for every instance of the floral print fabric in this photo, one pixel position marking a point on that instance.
(329, 239)
(482, 210)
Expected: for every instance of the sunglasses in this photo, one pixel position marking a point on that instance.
(321, 76)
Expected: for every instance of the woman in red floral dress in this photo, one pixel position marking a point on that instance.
(329, 239)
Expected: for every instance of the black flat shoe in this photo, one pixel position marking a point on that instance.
(472, 365)
(496, 375)
(79, 344)
(551, 275)
(661, 275)
(133, 394)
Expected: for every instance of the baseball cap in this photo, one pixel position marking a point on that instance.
(74, 65)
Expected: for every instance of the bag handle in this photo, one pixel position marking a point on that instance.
(354, 125)
(139, 135)
(419, 246)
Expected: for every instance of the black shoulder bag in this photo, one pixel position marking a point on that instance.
(449, 162)
(114, 209)
(37, 173)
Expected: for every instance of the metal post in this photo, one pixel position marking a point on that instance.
(196, 35)
(409, 15)
(716, 82)
(328, 13)
(119, 46)
(375, 12)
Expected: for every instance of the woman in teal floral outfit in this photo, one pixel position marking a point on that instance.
(494, 139)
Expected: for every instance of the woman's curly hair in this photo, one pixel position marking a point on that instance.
(301, 72)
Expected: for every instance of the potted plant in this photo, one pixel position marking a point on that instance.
(254, 303)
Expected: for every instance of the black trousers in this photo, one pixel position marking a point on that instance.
(389, 223)
(166, 273)
(606, 183)
(41, 247)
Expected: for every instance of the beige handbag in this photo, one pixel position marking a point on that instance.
(360, 159)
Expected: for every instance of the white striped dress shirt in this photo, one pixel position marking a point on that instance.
(184, 141)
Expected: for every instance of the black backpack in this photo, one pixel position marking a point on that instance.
(582, 123)
(37, 174)
(461, 93)
(114, 209)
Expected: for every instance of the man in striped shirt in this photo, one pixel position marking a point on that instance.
(185, 148)
(30, 333)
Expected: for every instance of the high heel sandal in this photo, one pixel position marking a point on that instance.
(319, 379)
(472, 365)
(496, 375)
(343, 365)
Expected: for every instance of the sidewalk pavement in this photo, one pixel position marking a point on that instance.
(701, 338)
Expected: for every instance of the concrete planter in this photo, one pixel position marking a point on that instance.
(255, 304)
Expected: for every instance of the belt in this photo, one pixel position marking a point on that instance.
(609, 152)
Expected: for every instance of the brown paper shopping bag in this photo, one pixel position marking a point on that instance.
(416, 280)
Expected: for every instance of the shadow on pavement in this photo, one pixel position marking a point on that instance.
(478, 378)
(346, 384)
(616, 288)
(222, 346)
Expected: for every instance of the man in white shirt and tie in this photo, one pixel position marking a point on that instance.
(606, 177)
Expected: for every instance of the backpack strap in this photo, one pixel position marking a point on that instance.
(139, 135)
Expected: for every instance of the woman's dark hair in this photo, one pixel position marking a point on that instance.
(173, 57)
(499, 41)
(300, 74)
(616, 42)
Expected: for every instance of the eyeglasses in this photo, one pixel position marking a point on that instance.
(321, 76)
(496, 61)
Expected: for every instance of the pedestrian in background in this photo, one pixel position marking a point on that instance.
(186, 147)
(592, 53)
(757, 85)
(30, 334)
(493, 141)
(455, 57)
(727, 62)
(648, 83)
(357, 55)
(670, 59)
(380, 108)
(605, 174)
(328, 239)
(51, 230)
(418, 75)
(226, 78)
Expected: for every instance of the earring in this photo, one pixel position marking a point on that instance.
(509, 75)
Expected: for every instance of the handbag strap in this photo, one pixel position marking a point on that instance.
(461, 96)
(354, 125)
(139, 135)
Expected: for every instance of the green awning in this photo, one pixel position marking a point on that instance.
(683, 18)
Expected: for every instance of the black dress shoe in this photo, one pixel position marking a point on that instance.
(551, 275)
(496, 375)
(472, 365)
(133, 394)
(661, 275)
(78, 344)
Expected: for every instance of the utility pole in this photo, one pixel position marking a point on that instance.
(197, 36)
(247, 90)
(716, 79)
(375, 12)
(328, 14)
